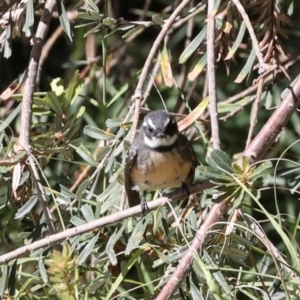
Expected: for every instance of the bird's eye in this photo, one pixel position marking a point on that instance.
(150, 129)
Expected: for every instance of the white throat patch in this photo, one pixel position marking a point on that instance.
(155, 142)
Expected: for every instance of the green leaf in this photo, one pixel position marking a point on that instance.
(165, 65)
(53, 102)
(81, 191)
(7, 43)
(158, 20)
(192, 47)
(76, 221)
(42, 269)
(213, 173)
(261, 170)
(247, 67)
(109, 249)
(73, 90)
(87, 212)
(86, 155)
(3, 280)
(112, 123)
(195, 291)
(131, 31)
(57, 86)
(12, 279)
(124, 88)
(98, 133)
(238, 41)
(229, 107)
(27, 207)
(130, 262)
(92, 7)
(220, 159)
(10, 117)
(87, 250)
(16, 177)
(29, 20)
(198, 68)
(137, 234)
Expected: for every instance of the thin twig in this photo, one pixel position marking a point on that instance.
(211, 74)
(29, 88)
(24, 139)
(255, 111)
(270, 131)
(107, 220)
(262, 64)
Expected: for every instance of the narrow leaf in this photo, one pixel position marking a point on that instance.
(198, 68)
(247, 68)
(3, 279)
(53, 102)
(10, 118)
(87, 249)
(29, 20)
(86, 155)
(213, 173)
(192, 47)
(193, 115)
(137, 234)
(237, 42)
(73, 90)
(42, 270)
(166, 66)
(12, 279)
(16, 177)
(87, 213)
(98, 133)
(220, 159)
(132, 31)
(111, 244)
(27, 207)
(65, 23)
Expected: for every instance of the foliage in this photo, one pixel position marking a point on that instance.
(81, 132)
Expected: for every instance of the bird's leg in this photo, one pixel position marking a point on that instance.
(185, 188)
(144, 204)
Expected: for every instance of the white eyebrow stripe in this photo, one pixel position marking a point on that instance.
(167, 122)
(151, 123)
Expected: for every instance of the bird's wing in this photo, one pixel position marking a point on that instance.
(188, 147)
(133, 196)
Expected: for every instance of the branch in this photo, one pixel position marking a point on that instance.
(214, 215)
(24, 140)
(32, 71)
(105, 221)
(270, 131)
(255, 111)
(211, 75)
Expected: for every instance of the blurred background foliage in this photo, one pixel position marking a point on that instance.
(93, 55)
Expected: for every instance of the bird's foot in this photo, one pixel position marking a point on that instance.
(144, 205)
(185, 188)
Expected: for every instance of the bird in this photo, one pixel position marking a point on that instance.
(160, 157)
